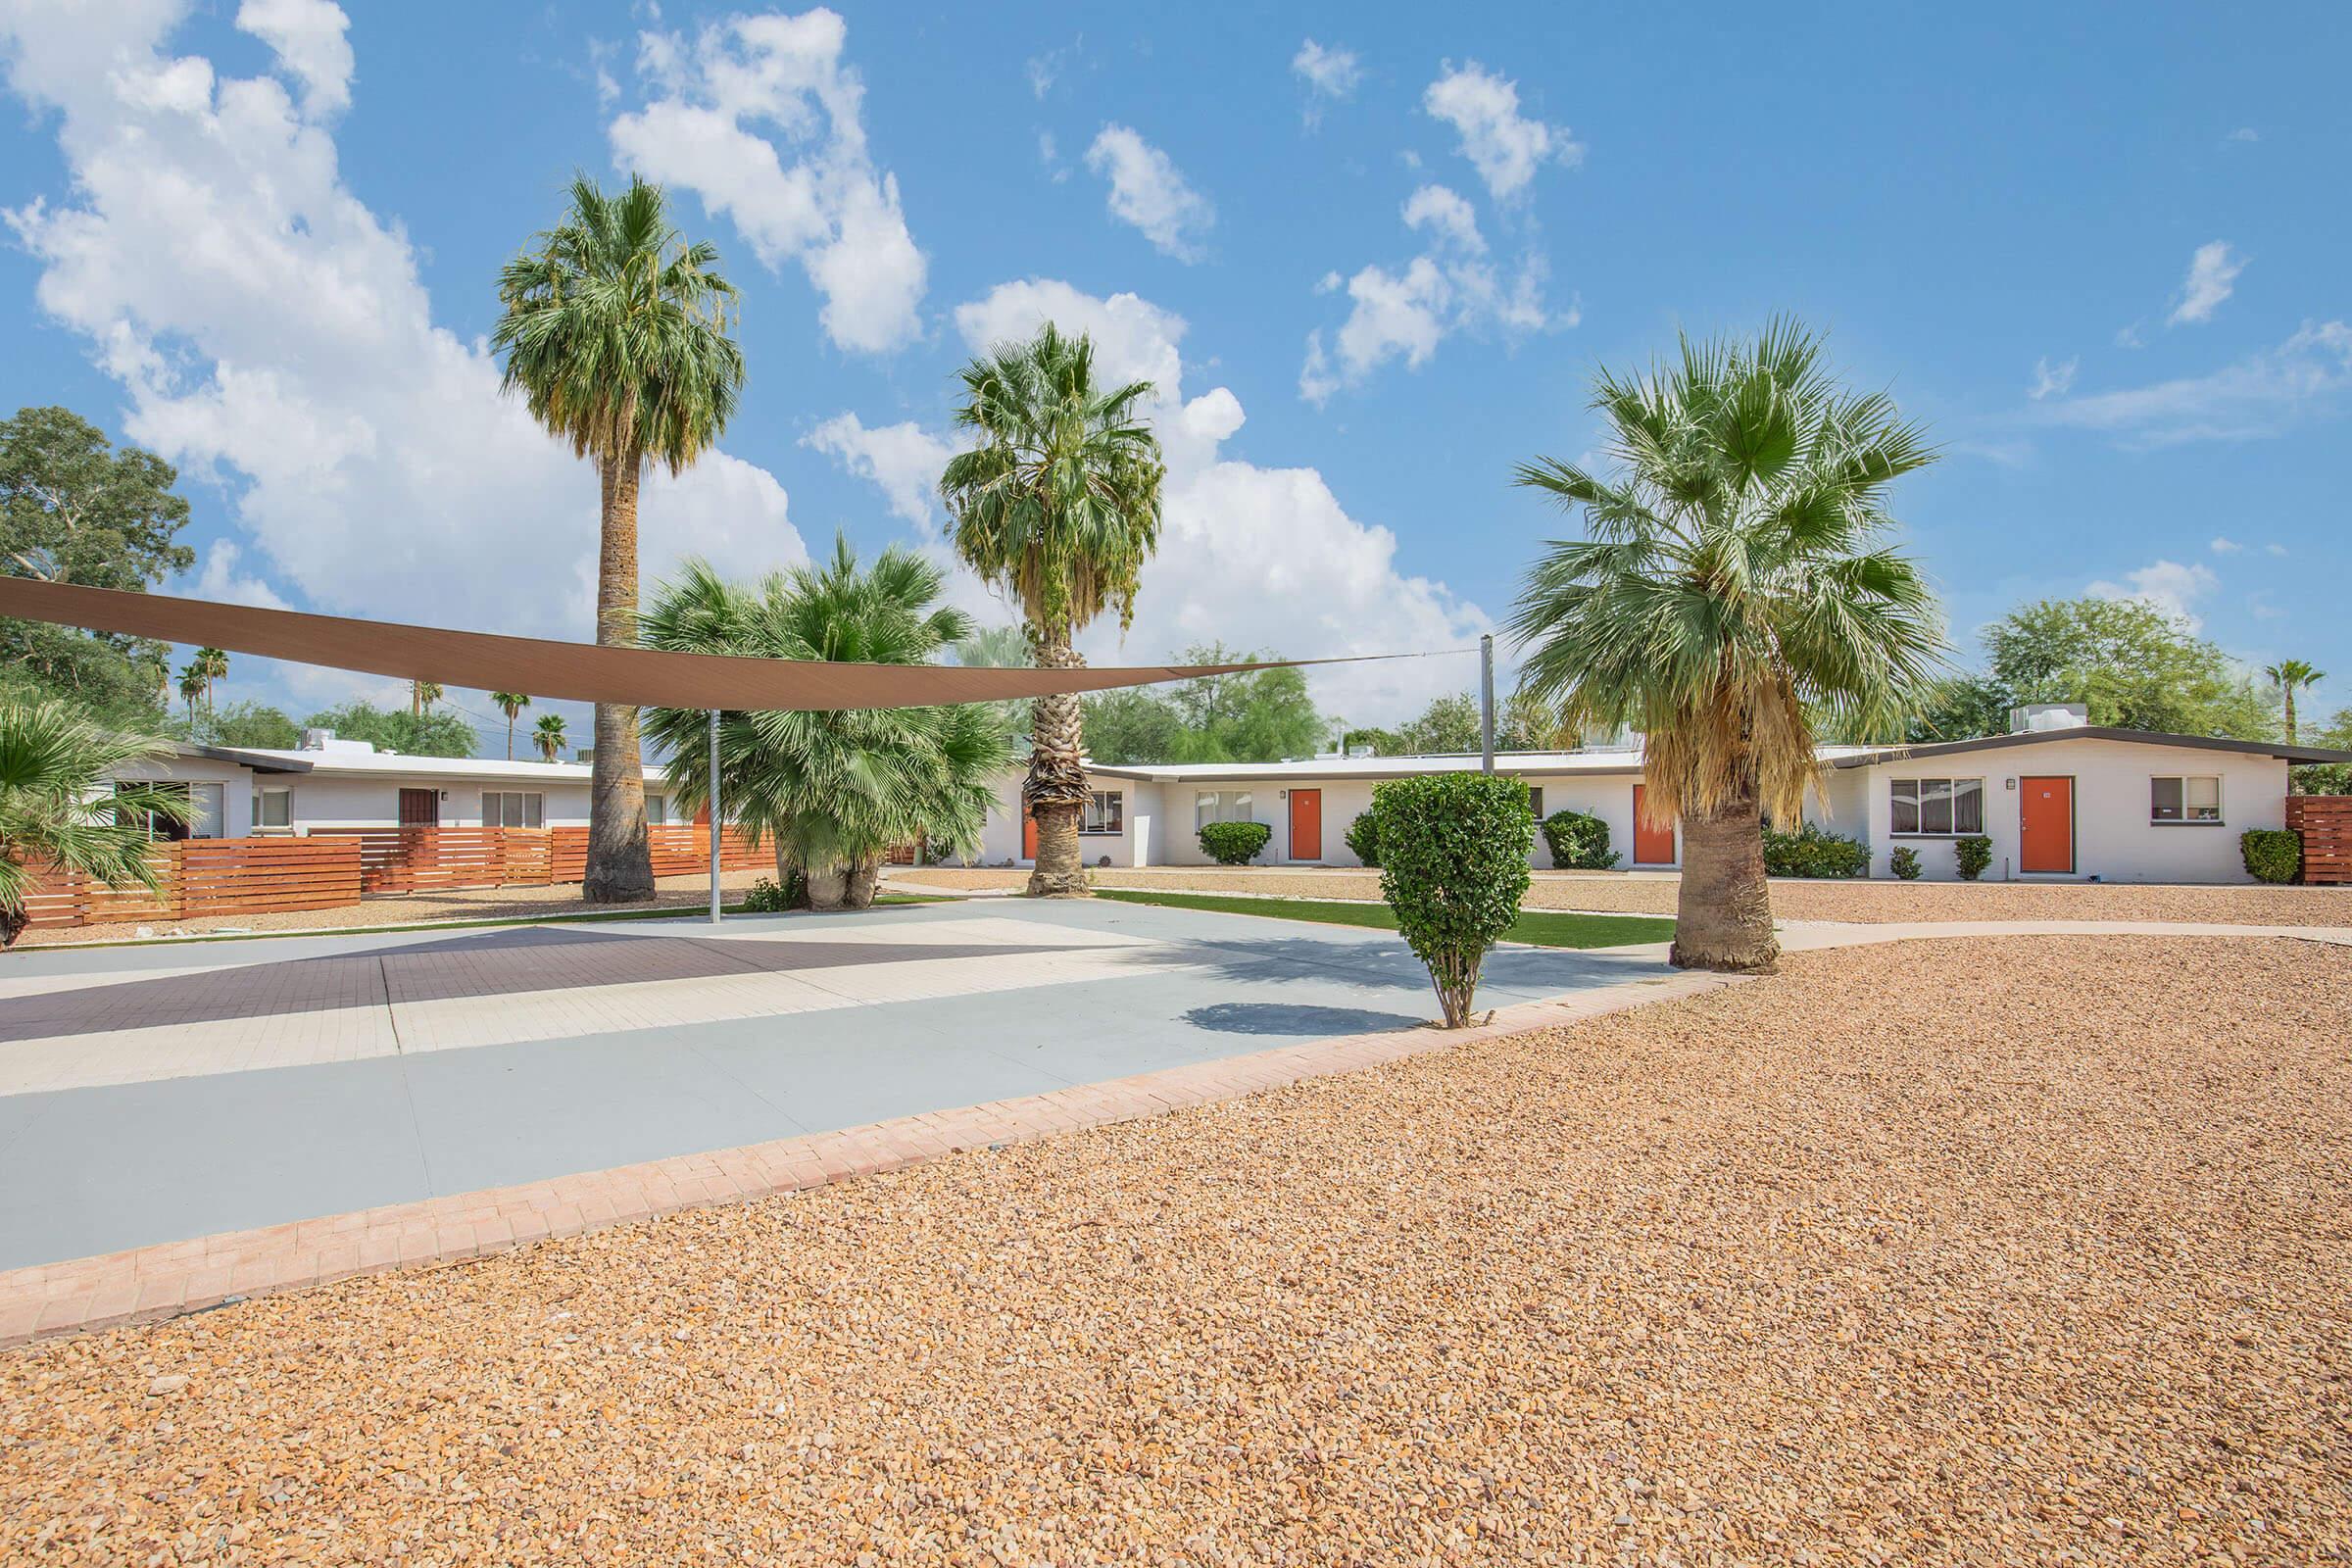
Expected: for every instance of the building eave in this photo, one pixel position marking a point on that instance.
(2095, 732)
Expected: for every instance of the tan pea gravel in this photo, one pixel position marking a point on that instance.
(1975, 1252)
(1873, 903)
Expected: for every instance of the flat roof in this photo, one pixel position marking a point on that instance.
(390, 764)
(1865, 756)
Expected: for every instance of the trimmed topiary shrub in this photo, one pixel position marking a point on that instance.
(1234, 843)
(1363, 840)
(1970, 855)
(2272, 853)
(1578, 841)
(1453, 851)
(1903, 862)
(1811, 851)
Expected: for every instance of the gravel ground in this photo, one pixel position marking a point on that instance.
(406, 908)
(1871, 903)
(1762, 1277)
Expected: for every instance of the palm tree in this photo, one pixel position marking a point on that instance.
(422, 693)
(615, 332)
(57, 811)
(1059, 505)
(191, 687)
(510, 704)
(547, 736)
(1732, 590)
(832, 791)
(213, 665)
(2291, 674)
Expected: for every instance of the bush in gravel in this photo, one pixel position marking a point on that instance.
(1234, 843)
(1903, 862)
(1579, 842)
(767, 898)
(1812, 851)
(1363, 840)
(1972, 855)
(1453, 852)
(2272, 853)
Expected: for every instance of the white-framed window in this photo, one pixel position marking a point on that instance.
(513, 808)
(1535, 800)
(1220, 806)
(273, 808)
(1105, 813)
(656, 809)
(208, 806)
(2191, 798)
(1937, 808)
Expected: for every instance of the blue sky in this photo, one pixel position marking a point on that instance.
(1369, 254)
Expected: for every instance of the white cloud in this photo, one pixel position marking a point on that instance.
(903, 460)
(1150, 192)
(1503, 145)
(2225, 546)
(2274, 549)
(1049, 157)
(1447, 214)
(1043, 71)
(2259, 396)
(271, 334)
(307, 37)
(2129, 337)
(1319, 582)
(2212, 276)
(721, 107)
(2243, 133)
(2053, 380)
(2167, 585)
(1331, 77)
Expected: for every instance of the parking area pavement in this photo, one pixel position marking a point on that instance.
(155, 1095)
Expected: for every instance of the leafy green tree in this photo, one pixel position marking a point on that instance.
(247, 725)
(2131, 665)
(510, 704)
(1254, 716)
(616, 331)
(547, 736)
(2287, 674)
(832, 791)
(2328, 778)
(429, 734)
(1447, 726)
(58, 811)
(1733, 587)
(1134, 724)
(1059, 506)
(73, 509)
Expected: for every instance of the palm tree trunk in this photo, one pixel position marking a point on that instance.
(1055, 789)
(509, 737)
(1723, 916)
(2291, 713)
(620, 861)
(863, 876)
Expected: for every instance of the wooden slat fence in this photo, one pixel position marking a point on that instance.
(204, 877)
(2325, 822)
(437, 860)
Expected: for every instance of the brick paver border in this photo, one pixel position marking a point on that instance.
(152, 1283)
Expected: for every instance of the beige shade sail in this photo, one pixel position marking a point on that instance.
(580, 671)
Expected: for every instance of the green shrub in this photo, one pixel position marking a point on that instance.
(1363, 840)
(1453, 867)
(1972, 855)
(2272, 853)
(1579, 842)
(1903, 862)
(1811, 851)
(767, 898)
(1234, 843)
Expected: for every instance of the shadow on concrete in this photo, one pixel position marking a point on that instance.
(1303, 1022)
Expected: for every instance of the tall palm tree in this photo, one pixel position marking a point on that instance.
(1059, 505)
(212, 665)
(422, 693)
(57, 810)
(615, 332)
(832, 791)
(1733, 589)
(510, 704)
(547, 736)
(191, 687)
(2291, 674)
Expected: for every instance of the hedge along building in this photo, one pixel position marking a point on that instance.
(2059, 800)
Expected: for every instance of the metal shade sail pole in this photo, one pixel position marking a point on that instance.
(714, 817)
(1486, 703)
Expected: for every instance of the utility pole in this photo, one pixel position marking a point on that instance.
(714, 817)
(1486, 703)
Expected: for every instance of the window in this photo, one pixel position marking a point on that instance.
(1941, 808)
(1105, 813)
(656, 809)
(206, 806)
(1220, 806)
(2185, 799)
(513, 808)
(1535, 800)
(273, 808)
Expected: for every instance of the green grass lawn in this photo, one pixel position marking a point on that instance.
(1543, 928)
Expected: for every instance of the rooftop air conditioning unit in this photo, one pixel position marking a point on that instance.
(2038, 719)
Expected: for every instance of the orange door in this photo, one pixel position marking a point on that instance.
(1028, 835)
(1307, 824)
(2046, 825)
(1652, 846)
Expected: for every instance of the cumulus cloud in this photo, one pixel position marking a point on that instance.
(1504, 146)
(1151, 193)
(271, 334)
(2053, 380)
(2167, 585)
(903, 460)
(761, 117)
(1331, 76)
(2261, 395)
(1446, 215)
(2225, 546)
(308, 38)
(2212, 276)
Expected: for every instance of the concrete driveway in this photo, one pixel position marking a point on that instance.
(160, 1094)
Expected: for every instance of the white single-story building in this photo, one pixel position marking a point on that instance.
(2060, 800)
